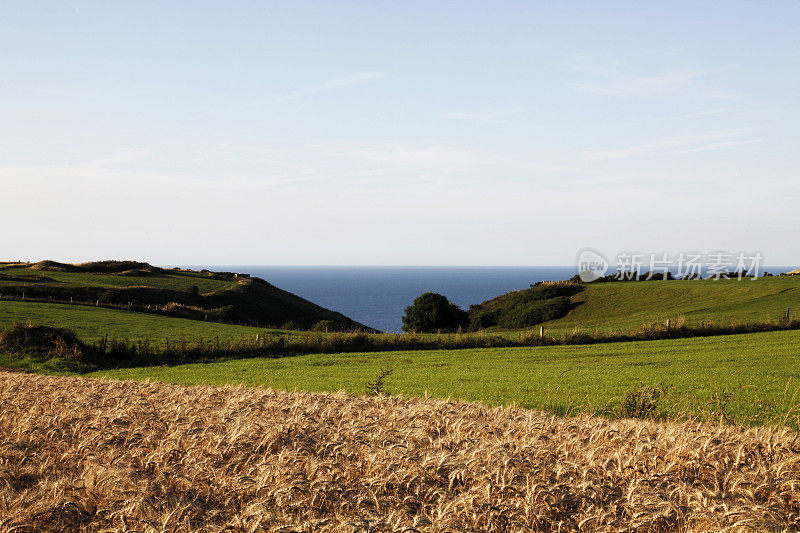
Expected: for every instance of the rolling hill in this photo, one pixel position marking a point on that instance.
(622, 307)
(222, 297)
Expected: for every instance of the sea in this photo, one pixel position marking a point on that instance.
(377, 296)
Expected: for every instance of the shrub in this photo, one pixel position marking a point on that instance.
(378, 386)
(113, 267)
(547, 290)
(642, 401)
(41, 340)
(536, 312)
(525, 308)
(482, 320)
(432, 312)
(325, 325)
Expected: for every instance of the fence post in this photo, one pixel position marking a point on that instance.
(541, 332)
(787, 314)
(668, 323)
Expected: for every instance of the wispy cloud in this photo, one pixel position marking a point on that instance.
(436, 159)
(127, 154)
(491, 117)
(723, 145)
(708, 112)
(683, 144)
(653, 85)
(353, 79)
(723, 96)
(672, 77)
(357, 78)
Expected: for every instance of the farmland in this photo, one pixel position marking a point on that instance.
(600, 310)
(747, 379)
(694, 434)
(93, 323)
(155, 457)
(744, 379)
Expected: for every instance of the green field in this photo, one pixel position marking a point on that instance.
(625, 306)
(92, 323)
(745, 378)
(751, 378)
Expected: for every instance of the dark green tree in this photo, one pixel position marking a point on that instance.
(433, 312)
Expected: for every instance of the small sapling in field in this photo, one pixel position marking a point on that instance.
(378, 386)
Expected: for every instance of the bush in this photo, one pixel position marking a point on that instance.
(548, 290)
(532, 313)
(325, 325)
(642, 401)
(432, 312)
(525, 308)
(479, 320)
(41, 340)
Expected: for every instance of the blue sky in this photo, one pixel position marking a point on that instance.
(397, 133)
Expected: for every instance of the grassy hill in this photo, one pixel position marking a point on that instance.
(222, 297)
(148, 334)
(625, 306)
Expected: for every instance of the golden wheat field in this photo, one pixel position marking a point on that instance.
(99, 455)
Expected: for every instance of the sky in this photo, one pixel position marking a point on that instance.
(397, 133)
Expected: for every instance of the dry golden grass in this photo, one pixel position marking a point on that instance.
(80, 454)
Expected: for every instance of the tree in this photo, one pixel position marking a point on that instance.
(432, 312)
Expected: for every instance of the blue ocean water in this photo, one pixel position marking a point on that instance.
(378, 296)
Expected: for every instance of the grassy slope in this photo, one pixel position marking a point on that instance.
(761, 371)
(179, 281)
(92, 323)
(603, 308)
(233, 300)
(622, 307)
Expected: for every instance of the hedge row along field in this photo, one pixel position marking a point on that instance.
(101, 455)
